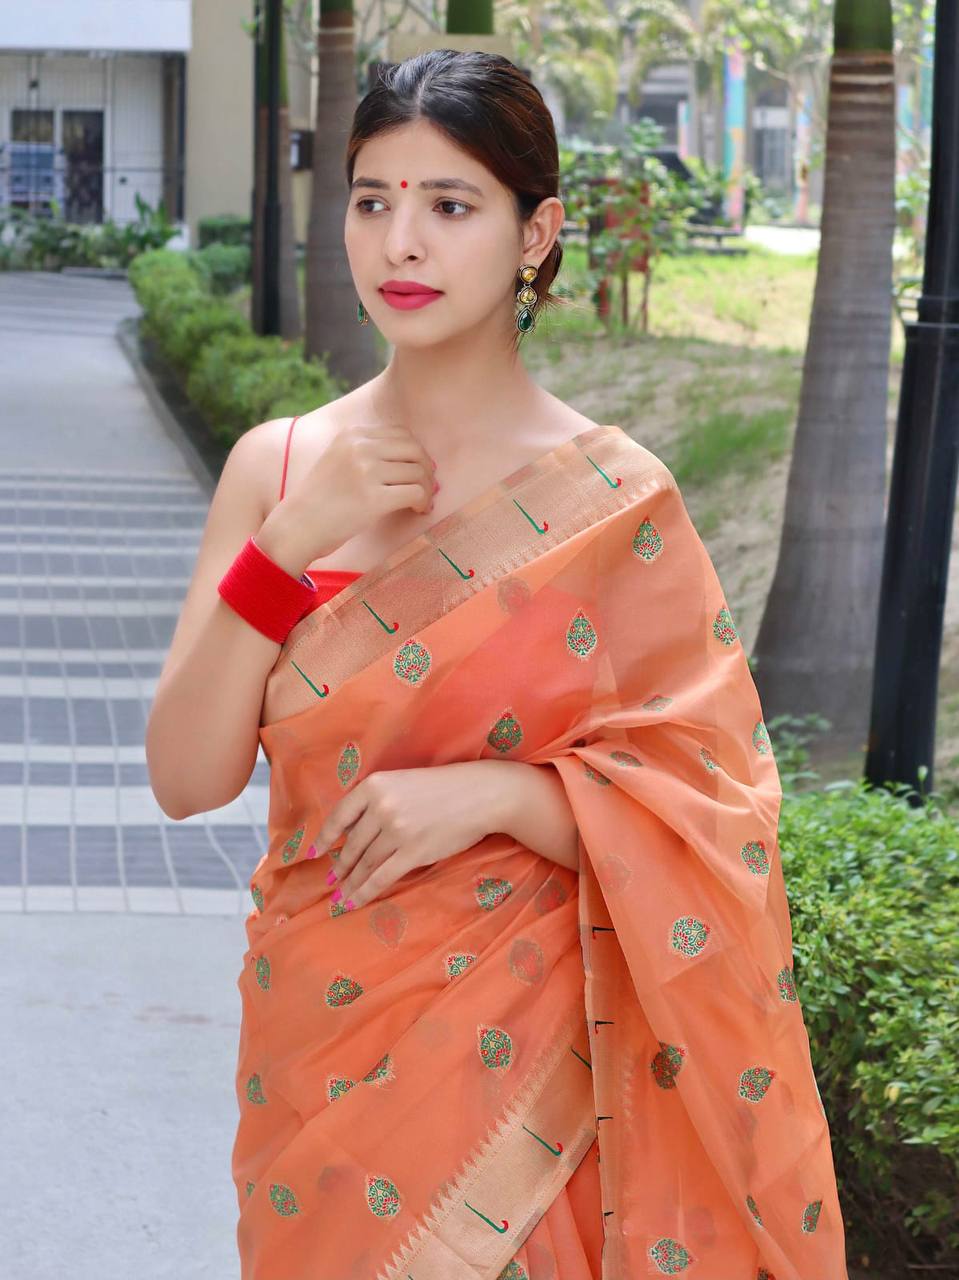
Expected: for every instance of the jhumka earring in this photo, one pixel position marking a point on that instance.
(362, 315)
(527, 299)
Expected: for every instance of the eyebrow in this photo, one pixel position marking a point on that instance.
(432, 184)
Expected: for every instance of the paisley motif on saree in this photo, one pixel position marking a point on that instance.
(419, 1079)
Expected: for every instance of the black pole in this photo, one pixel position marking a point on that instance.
(271, 209)
(922, 496)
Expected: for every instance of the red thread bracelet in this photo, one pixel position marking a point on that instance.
(264, 594)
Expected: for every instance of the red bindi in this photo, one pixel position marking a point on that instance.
(403, 183)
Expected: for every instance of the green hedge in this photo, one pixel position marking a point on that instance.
(873, 887)
(235, 377)
(224, 228)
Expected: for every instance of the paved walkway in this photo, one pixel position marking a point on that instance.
(100, 518)
(121, 930)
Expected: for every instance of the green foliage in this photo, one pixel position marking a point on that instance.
(224, 228)
(234, 376)
(873, 881)
(241, 377)
(33, 242)
(223, 267)
(650, 204)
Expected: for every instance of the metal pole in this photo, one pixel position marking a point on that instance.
(271, 210)
(922, 496)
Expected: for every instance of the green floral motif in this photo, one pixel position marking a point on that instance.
(513, 1271)
(647, 541)
(292, 845)
(491, 891)
(249, 1188)
(338, 909)
(593, 775)
(708, 759)
(659, 702)
(254, 1090)
(581, 638)
(348, 765)
(754, 1210)
(810, 1216)
(382, 1197)
(283, 1200)
(256, 893)
(754, 854)
(342, 991)
(626, 759)
(690, 935)
(754, 1083)
(412, 662)
(495, 1048)
(336, 1086)
(786, 983)
(670, 1256)
(761, 739)
(263, 972)
(723, 627)
(458, 962)
(506, 733)
(380, 1071)
(667, 1064)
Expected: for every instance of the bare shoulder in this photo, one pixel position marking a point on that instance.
(262, 449)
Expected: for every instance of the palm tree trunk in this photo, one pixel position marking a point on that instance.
(290, 324)
(816, 642)
(331, 327)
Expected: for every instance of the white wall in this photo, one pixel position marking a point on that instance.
(142, 25)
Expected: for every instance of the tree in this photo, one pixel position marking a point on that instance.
(289, 319)
(331, 328)
(816, 641)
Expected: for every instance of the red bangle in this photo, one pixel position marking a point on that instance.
(264, 594)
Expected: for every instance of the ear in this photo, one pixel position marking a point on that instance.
(541, 229)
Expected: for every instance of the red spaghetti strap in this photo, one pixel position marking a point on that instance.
(286, 456)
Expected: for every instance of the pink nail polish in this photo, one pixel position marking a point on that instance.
(349, 905)
(335, 897)
(330, 877)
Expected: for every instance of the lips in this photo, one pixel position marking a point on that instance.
(406, 286)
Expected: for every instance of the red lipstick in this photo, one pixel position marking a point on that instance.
(407, 295)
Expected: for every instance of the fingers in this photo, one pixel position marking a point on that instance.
(372, 873)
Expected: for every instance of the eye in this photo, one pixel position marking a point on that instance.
(375, 200)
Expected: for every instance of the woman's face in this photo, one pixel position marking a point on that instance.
(462, 238)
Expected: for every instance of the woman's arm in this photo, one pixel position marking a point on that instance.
(530, 804)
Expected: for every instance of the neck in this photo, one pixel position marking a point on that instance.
(455, 394)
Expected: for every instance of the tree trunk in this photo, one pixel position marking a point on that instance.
(815, 647)
(469, 17)
(290, 322)
(331, 326)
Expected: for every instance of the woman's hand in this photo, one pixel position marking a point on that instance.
(400, 819)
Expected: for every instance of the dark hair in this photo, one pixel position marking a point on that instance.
(487, 106)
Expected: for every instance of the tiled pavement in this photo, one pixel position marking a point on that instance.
(100, 515)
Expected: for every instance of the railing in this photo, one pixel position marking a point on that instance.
(33, 175)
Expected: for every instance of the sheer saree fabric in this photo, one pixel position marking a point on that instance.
(505, 1068)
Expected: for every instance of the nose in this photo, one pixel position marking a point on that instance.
(403, 239)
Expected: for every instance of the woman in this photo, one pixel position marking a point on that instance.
(518, 1000)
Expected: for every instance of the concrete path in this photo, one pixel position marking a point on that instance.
(122, 931)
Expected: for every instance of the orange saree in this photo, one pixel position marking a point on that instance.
(504, 1068)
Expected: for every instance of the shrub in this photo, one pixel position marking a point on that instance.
(234, 377)
(224, 228)
(222, 267)
(874, 896)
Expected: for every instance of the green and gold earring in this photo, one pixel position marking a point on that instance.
(526, 299)
(362, 315)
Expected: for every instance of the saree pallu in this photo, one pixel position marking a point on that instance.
(504, 1068)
